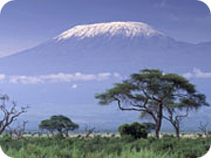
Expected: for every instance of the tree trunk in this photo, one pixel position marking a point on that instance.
(177, 133)
(60, 132)
(157, 132)
(159, 121)
(66, 133)
(177, 130)
(157, 128)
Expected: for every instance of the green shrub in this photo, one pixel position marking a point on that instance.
(135, 130)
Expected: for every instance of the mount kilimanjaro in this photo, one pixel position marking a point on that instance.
(114, 46)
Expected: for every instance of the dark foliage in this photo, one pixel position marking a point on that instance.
(135, 130)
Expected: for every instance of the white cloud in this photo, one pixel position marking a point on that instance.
(197, 73)
(83, 77)
(61, 77)
(74, 86)
(104, 76)
(117, 75)
(25, 79)
(2, 77)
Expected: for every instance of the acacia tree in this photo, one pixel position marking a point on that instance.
(9, 112)
(59, 123)
(182, 100)
(177, 113)
(149, 92)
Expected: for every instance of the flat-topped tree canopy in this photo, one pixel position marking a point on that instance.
(59, 123)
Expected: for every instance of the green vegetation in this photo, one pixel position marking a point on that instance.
(156, 95)
(105, 147)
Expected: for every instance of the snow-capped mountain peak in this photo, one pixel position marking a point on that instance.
(125, 29)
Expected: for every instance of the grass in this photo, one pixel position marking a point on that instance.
(100, 147)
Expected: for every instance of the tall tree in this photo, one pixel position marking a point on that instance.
(177, 112)
(183, 98)
(149, 92)
(143, 92)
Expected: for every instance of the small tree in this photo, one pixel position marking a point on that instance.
(59, 123)
(9, 112)
(136, 130)
(204, 128)
(18, 131)
(89, 131)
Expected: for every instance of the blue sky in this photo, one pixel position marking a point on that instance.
(26, 23)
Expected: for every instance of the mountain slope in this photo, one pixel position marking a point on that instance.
(115, 46)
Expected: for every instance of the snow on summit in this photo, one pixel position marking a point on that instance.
(127, 29)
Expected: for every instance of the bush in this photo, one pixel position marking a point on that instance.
(135, 130)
